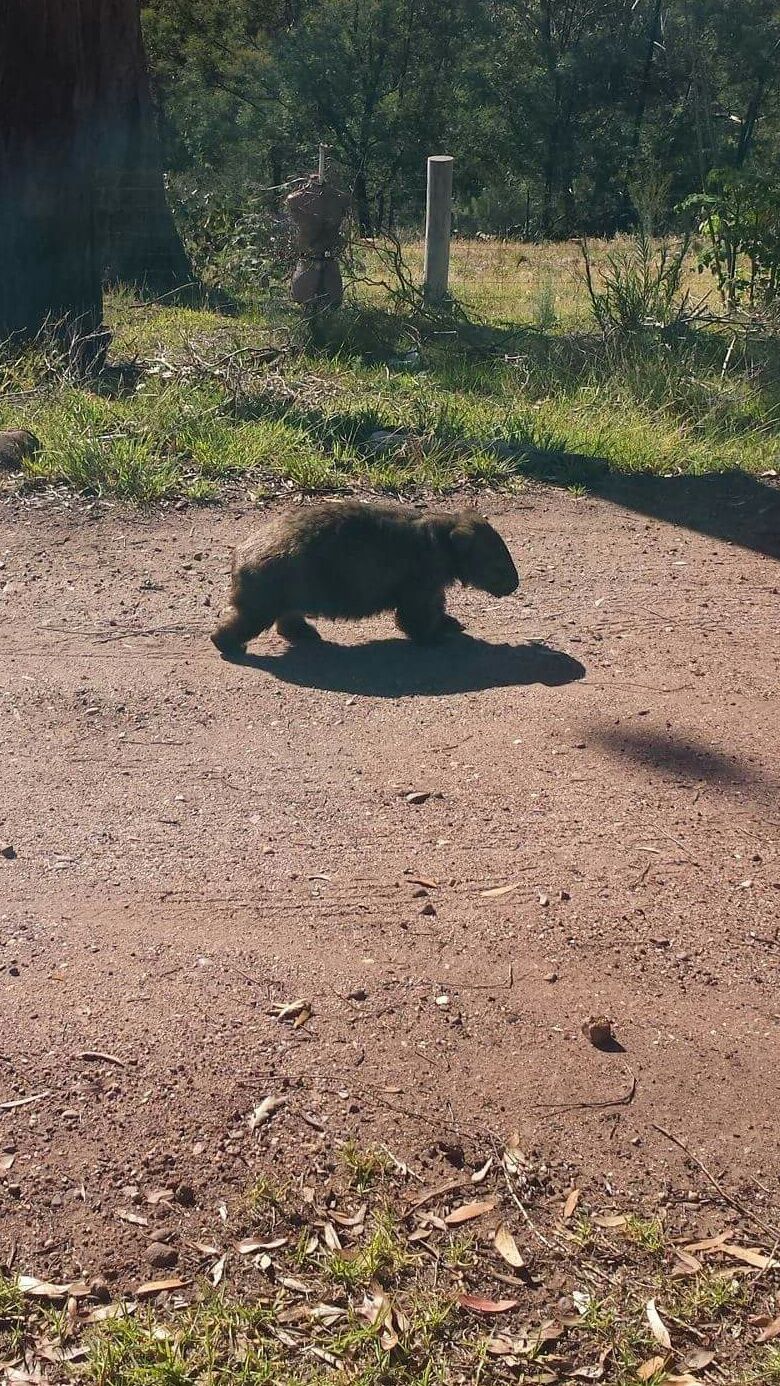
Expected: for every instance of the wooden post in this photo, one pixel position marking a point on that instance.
(438, 218)
(323, 163)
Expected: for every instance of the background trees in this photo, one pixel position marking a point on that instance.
(553, 107)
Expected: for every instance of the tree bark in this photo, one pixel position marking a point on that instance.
(50, 263)
(141, 243)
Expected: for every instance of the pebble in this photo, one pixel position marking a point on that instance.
(162, 1256)
(185, 1195)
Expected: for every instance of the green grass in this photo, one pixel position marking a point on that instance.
(384, 1310)
(206, 411)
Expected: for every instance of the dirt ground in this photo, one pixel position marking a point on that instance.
(189, 842)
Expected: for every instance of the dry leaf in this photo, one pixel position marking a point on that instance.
(326, 1314)
(610, 1220)
(293, 1010)
(264, 1111)
(709, 1243)
(109, 1311)
(431, 1195)
(43, 1289)
(497, 891)
(486, 1306)
(376, 1307)
(650, 1368)
(685, 1380)
(156, 1196)
(595, 1371)
(350, 1219)
(507, 1247)
(205, 1248)
(135, 1218)
(750, 1255)
(467, 1211)
(217, 1271)
(766, 1335)
(331, 1237)
(689, 1265)
(698, 1358)
(22, 1101)
(96, 1055)
(156, 1287)
(657, 1326)
(290, 1282)
(260, 1244)
(570, 1204)
(418, 796)
(480, 1175)
(6, 1163)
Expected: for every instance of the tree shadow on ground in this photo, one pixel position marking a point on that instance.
(398, 669)
(733, 506)
(682, 756)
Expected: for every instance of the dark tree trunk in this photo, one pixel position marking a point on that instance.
(49, 251)
(141, 243)
(362, 205)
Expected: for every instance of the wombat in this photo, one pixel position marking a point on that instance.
(352, 560)
(15, 445)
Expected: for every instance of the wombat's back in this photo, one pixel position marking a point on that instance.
(341, 559)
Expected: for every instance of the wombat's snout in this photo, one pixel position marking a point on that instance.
(505, 582)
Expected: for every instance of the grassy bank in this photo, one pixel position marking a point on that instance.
(371, 1279)
(204, 401)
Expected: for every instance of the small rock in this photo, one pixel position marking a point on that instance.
(564, 895)
(7, 851)
(544, 901)
(98, 1289)
(443, 1001)
(453, 1152)
(359, 994)
(598, 1029)
(418, 796)
(428, 910)
(185, 1195)
(551, 977)
(161, 1256)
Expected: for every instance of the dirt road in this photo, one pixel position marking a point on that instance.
(189, 842)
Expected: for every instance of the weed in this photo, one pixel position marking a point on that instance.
(383, 1255)
(646, 1233)
(365, 1166)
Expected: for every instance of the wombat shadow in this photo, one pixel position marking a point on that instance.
(398, 669)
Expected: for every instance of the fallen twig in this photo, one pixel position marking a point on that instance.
(774, 1232)
(623, 1101)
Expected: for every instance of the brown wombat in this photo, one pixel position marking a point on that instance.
(351, 560)
(15, 445)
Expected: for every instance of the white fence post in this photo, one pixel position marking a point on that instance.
(438, 218)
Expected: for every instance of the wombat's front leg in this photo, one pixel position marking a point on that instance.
(295, 628)
(422, 616)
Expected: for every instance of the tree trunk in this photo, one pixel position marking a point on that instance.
(141, 243)
(362, 205)
(49, 251)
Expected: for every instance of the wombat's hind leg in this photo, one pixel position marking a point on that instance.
(422, 616)
(295, 628)
(231, 635)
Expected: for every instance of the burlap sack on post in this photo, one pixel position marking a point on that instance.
(316, 211)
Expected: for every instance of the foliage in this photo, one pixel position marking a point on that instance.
(739, 218)
(551, 107)
(641, 287)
